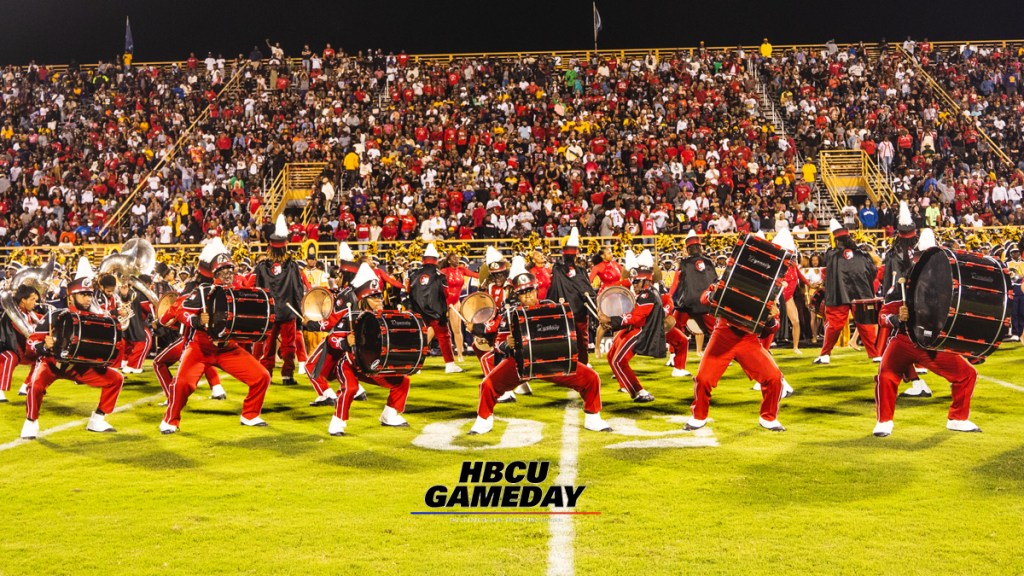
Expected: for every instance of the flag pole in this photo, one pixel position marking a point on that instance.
(594, 5)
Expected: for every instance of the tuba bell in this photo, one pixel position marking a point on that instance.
(137, 256)
(38, 277)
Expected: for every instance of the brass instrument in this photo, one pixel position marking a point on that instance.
(137, 257)
(37, 277)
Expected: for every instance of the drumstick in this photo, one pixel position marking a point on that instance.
(202, 298)
(457, 313)
(292, 308)
(903, 288)
(591, 310)
(591, 300)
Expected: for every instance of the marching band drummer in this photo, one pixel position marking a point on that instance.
(727, 343)
(505, 375)
(280, 276)
(640, 331)
(336, 360)
(172, 353)
(14, 349)
(455, 273)
(201, 352)
(696, 272)
(901, 354)
(48, 369)
(605, 274)
(427, 286)
(569, 284)
(494, 286)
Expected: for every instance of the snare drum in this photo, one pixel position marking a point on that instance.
(545, 340)
(85, 339)
(318, 304)
(477, 308)
(241, 314)
(958, 302)
(616, 301)
(866, 311)
(390, 342)
(752, 279)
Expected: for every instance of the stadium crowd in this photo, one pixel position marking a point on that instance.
(487, 147)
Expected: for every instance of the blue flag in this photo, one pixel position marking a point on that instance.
(129, 43)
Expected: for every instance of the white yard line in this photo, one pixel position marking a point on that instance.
(78, 423)
(1002, 383)
(561, 557)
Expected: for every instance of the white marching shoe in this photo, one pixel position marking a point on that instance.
(166, 428)
(694, 423)
(98, 423)
(391, 417)
(876, 359)
(257, 421)
(671, 360)
(30, 429)
(337, 426)
(302, 367)
(681, 373)
(756, 387)
(883, 429)
(773, 425)
(452, 368)
(482, 425)
(23, 391)
(360, 394)
(823, 359)
(218, 393)
(962, 426)
(524, 389)
(787, 390)
(3, 397)
(130, 370)
(918, 389)
(507, 397)
(595, 423)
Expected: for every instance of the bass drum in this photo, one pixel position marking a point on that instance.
(85, 339)
(752, 279)
(390, 342)
(958, 302)
(616, 301)
(866, 311)
(545, 340)
(240, 314)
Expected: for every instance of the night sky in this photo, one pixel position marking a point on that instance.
(87, 30)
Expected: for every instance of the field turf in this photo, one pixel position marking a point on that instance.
(825, 497)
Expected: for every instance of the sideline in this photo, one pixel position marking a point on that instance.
(1002, 383)
(77, 423)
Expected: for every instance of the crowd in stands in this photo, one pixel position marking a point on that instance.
(486, 147)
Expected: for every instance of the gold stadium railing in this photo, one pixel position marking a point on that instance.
(122, 209)
(973, 238)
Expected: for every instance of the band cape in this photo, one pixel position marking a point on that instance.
(491, 496)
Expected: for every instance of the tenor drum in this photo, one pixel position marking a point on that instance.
(85, 339)
(752, 279)
(390, 342)
(958, 302)
(545, 340)
(240, 314)
(477, 308)
(164, 304)
(616, 301)
(866, 311)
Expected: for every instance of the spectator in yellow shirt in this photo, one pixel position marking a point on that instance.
(766, 49)
(809, 171)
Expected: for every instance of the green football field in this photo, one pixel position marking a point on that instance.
(825, 497)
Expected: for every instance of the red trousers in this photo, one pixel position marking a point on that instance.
(232, 359)
(300, 347)
(676, 339)
(8, 361)
(349, 379)
(619, 354)
(901, 354)
(320, 381)
(583, 340)
(444, 338)
(505, 377)
(165, 359)
(137, 351)
(287, 332)
(884, 335)
(708, 326)
(836, 318)
(486, 359)
(46, 372)
(727, 344)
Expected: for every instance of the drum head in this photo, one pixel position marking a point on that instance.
(165, 303)
(477, 308)
(929, 296)
(369, 342)
(318, 304)
(616, 301)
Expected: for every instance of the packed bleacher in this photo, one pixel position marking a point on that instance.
(494, 147)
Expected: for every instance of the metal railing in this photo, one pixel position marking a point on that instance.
(296, 181)
(843, 169)
(125, 205)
